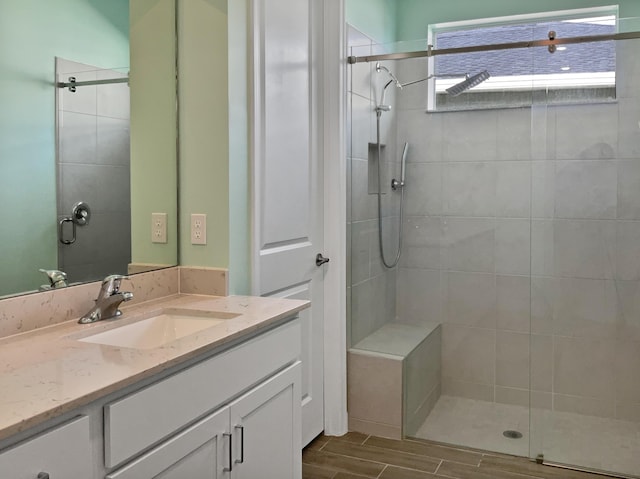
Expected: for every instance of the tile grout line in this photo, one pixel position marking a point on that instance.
(429, 456)
(385, 464)
(381, 472)
(401, 452)
(340, 454)
(438, 468)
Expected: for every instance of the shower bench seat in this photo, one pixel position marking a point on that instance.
(393, 379)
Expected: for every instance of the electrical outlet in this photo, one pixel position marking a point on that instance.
(198, 229)
(158, 227)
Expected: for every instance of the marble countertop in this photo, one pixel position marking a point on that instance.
(48, 372)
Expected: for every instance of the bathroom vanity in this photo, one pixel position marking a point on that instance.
(223, 401)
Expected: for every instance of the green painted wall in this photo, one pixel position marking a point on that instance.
(239, 211)
(413, 16)
(204, 129)
(153, 129)
(376, 18)
(32, 33)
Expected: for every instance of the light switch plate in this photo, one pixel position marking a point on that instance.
(198, 229)
(158, 227)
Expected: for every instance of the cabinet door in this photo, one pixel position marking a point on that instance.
(201, 451)
(63, 452)
(266, 425)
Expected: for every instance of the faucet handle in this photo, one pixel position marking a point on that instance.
(57, 279)
(111, 283)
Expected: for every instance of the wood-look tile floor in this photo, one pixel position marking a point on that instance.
(357, 456)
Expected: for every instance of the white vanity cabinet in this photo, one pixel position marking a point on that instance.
(59, 453)
(257, 435)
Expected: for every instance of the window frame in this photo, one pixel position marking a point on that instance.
(519, 19)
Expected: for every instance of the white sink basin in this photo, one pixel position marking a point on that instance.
(164, 328)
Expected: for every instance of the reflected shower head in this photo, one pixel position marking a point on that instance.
(382, 107)
(380, 68)
(468, 83)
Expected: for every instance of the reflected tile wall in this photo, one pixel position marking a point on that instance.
(525, 221)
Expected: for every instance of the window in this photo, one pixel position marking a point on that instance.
(583, 72)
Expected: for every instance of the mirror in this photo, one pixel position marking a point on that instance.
(82, 172)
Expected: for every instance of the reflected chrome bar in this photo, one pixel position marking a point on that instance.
(91, 82)
(430, 52)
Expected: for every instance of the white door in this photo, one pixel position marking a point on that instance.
(287, 187)
(266, 429)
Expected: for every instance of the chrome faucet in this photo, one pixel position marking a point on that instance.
(108, 301)
(57, 279)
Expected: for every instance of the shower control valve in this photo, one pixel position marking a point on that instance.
(396, 185)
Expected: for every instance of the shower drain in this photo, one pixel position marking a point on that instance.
(512, 434)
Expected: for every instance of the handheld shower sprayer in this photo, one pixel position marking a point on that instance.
(395, 184)
(403, 164)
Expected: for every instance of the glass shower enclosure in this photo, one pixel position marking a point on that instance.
(511, 322)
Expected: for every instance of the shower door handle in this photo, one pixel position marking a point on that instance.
(320, 260)
(61, 231)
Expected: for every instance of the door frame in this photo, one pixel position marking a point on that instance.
(334, 158)
(329, 20)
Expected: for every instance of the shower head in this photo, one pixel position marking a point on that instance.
(468, 83)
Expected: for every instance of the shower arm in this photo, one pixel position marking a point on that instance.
(446, 75)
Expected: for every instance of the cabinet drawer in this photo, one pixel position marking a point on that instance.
(61, 452)
(141, 419)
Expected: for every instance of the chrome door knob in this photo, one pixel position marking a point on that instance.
(320, 260)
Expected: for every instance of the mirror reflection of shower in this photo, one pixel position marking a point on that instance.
(466, 84)
(93, 163)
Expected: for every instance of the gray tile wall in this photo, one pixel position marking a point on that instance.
(93, 166)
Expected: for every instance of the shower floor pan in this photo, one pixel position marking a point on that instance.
(597, 443)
